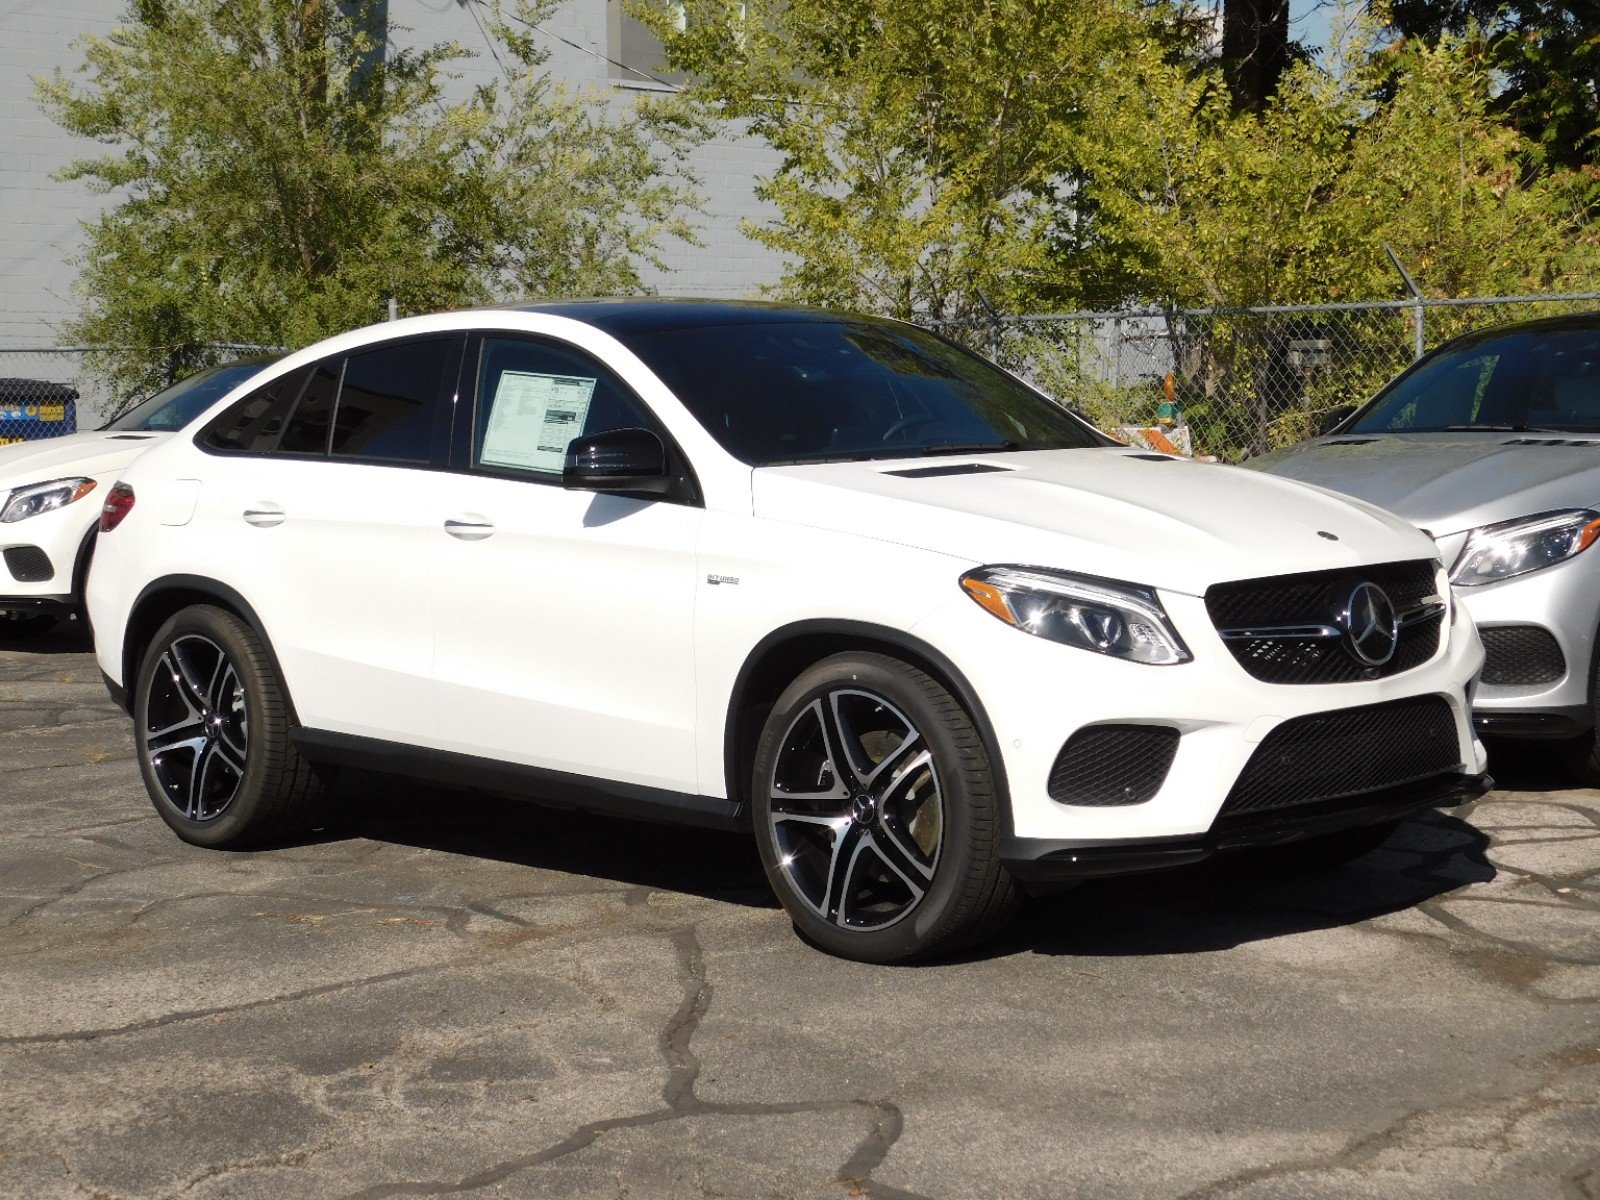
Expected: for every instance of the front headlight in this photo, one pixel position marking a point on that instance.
(1510, 548)
(1123, 620)
(37, 498)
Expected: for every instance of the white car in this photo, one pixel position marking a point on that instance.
(46, 535)
(829, 578)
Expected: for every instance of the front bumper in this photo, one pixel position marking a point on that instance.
(1037, 694)
(1563, 601)
(1041, 860)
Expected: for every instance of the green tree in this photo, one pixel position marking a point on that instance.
(279, 174)
(932, 149)
(1548, 56)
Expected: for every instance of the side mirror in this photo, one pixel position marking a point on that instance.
(621, 460)
(1334, 418)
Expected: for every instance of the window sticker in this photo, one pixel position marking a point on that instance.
(532, 419)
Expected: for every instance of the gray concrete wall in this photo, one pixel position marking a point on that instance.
(40, 217)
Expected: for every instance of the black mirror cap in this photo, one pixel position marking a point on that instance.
(620, 460)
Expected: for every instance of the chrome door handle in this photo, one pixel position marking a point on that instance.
(469, 528)
(263, 515)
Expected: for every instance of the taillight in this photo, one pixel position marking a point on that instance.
(119, 503)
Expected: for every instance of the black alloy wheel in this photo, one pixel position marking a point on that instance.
(876, 813)
(211, 721)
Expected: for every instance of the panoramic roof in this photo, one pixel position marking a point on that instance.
(655, 315)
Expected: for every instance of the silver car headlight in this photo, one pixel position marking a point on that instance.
(39, 498)
(1123, 620)
(1500, 551)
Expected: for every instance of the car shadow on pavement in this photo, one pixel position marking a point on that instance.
(66, 637)
(702, 862)
(1527, 766)
(1215, 905)
(1234, 899)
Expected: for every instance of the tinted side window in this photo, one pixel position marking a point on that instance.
(255, 424)
(534, 398)
(389, 403)
(308, 429)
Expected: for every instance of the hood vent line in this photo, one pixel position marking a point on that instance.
(952, 469)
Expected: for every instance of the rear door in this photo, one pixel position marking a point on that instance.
(324, 504)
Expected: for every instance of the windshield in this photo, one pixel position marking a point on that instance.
(825, 391)
(1530, 380)
(174, 407)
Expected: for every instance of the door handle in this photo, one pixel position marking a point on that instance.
(263, 515)
(469, 527)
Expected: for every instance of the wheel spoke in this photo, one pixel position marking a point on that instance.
(912, 871)
(189, 733)
(182, 686)
(185, 676)
(841, 869)
(230, 756)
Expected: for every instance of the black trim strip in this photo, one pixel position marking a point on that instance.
(557, 789)
(1042, 860)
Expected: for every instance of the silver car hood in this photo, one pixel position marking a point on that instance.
(1447, 482)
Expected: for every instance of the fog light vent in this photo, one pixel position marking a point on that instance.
(1107, 765)
(1520, 655)
(29, 564)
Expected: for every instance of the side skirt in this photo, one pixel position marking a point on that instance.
(557, 789)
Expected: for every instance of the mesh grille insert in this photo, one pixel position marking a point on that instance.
(1106, 765)
(1318, 598)
(29, 564)
(1329, 756)
(1521, 654)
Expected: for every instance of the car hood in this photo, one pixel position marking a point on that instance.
(1120, 514)
(74, 454)
(1447, 482)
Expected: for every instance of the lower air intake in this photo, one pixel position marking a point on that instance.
(1348, 753)
(1105, 766)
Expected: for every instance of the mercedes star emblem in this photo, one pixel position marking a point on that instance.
(1371, 628)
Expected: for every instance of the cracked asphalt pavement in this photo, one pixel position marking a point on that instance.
(451, 994)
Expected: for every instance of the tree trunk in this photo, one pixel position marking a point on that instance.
(1255, 49)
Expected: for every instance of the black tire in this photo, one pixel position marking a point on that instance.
(1325, 853)
(897, 858)
(25, 626)
(211, 724)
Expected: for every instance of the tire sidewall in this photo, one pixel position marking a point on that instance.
(232, 636)
(961, 779)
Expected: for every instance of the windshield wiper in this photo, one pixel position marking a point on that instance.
(972, 448)
(1496, 429)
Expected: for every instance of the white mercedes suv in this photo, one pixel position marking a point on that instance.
(825, 577)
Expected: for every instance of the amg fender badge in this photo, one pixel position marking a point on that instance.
(716, 579)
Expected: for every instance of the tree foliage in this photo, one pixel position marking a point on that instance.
(932, 149)
(1296, 203)
(1548, 56)
(280, 173)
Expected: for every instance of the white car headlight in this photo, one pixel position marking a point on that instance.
(1495, 552)
(37, 498)
(1123, 620)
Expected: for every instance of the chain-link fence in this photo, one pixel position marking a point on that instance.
(1230, 382)
(46, 391)
(1227, 382)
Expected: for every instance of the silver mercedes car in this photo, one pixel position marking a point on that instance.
(1491, 444)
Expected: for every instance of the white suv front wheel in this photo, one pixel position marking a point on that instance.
(876, 812)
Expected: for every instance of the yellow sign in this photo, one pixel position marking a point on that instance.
(52, 412)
